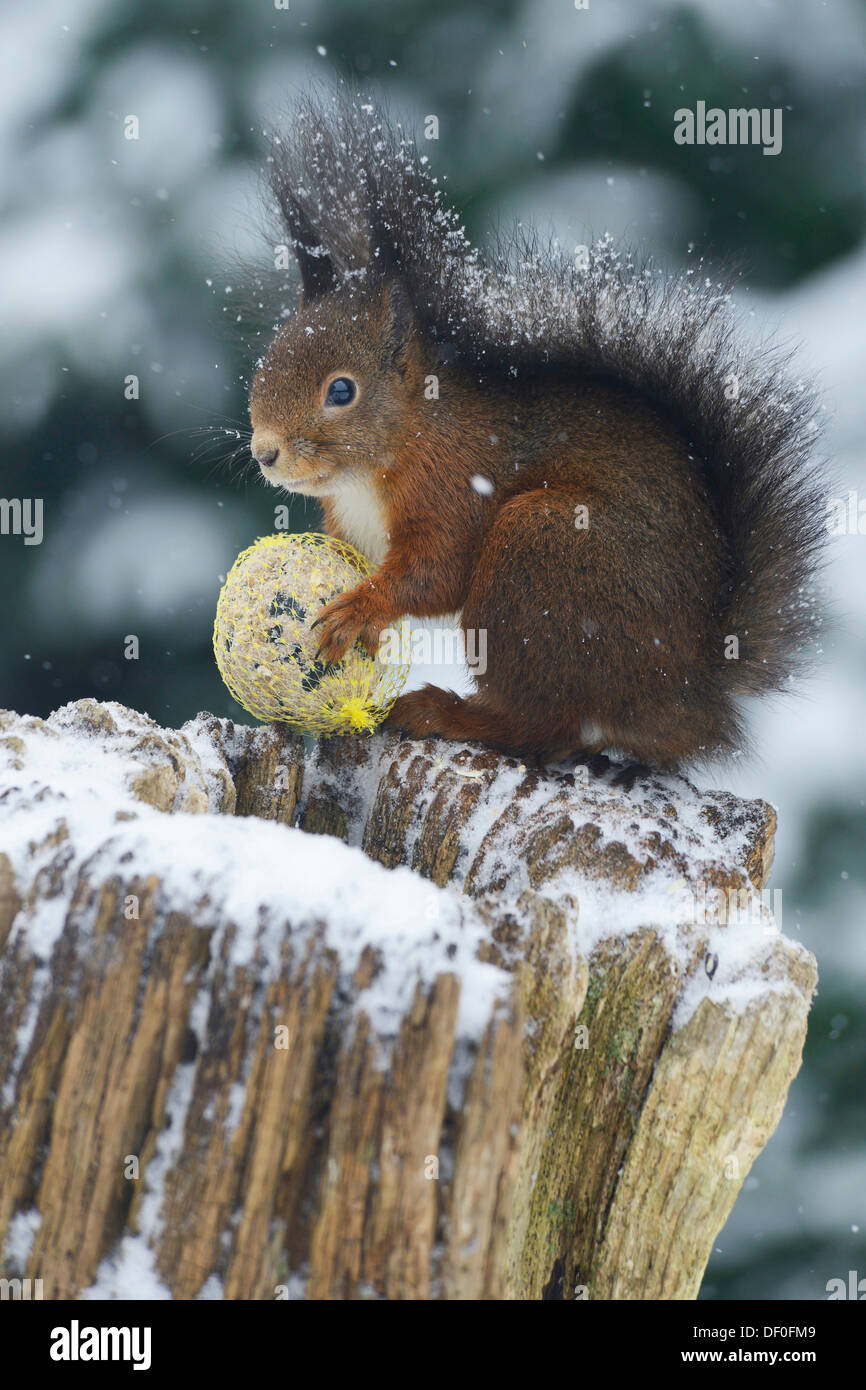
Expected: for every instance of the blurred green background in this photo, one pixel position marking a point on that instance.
(114, 259)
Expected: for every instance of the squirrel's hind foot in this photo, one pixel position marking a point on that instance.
(431, 711)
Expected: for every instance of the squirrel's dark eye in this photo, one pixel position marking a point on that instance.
(342, 391)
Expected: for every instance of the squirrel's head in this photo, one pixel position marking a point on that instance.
(335, 392)
(381, 260)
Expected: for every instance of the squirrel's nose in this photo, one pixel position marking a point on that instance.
(264, 449)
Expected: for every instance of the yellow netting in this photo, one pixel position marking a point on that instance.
(265, 646)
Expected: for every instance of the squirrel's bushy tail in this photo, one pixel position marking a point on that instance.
(750, 424)
(354, 190)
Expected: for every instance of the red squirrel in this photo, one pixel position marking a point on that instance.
(577, 457)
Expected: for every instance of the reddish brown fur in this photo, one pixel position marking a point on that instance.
(609, 636)
(604, 386)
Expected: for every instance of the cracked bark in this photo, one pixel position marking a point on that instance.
(583, 1143)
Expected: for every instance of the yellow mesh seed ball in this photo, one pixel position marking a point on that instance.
(265, 645)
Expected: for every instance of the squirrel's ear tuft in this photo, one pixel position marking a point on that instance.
(317, 269)
(401, 319)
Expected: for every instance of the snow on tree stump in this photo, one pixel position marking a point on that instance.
(521, 1035)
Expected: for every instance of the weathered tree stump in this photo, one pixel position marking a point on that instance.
(520, 1035)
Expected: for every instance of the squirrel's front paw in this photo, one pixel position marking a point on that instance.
(356, 614)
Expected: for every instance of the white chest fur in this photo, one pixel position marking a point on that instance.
(360, 518)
